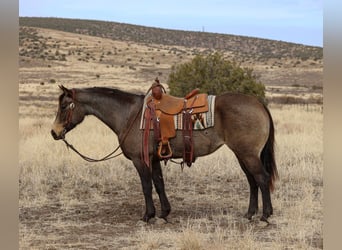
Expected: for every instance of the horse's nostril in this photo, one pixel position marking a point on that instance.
(54, 135)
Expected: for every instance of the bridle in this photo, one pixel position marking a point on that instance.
(107, 157)
(70, 107)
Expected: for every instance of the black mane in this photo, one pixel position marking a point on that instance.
(108, 91)
(113, 93)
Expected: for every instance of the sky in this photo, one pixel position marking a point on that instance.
(297, 21)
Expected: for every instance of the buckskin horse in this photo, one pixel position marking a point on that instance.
(241, 122)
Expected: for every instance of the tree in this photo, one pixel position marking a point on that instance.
(214, 75)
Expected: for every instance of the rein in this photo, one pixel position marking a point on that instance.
(110, 155)
(107, 157)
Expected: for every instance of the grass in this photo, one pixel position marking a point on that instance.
(68, 203)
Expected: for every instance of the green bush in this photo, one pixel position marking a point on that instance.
(214, 75)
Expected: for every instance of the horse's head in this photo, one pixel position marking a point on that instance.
(69, 114)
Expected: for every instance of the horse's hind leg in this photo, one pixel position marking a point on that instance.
(158, 180)
(254, 166)
(253, 198)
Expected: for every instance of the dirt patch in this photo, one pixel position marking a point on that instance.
(113, 223)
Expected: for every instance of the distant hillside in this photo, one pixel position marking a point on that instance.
(242, 47)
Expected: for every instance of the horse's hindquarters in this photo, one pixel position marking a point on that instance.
(242, 122)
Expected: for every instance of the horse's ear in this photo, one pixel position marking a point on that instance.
(65, 90)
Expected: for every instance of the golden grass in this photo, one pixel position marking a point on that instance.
(208, 199)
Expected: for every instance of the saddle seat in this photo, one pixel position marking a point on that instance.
(172, 105)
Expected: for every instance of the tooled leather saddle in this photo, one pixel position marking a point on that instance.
(159, 116)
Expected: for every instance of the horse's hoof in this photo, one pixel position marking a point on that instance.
(163, 217)
(264, 218)
(144, 219)
(161, 221)
(147, 217)
(164, 214)
(249, 216)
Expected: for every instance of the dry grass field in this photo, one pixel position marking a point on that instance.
(67, 203)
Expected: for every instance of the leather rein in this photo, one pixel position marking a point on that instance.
(105, 158)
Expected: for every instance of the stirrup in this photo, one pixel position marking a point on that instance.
(167, 154)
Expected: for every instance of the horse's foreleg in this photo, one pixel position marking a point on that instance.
(146, 182)
(158, 180)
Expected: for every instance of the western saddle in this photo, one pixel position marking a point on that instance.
(159, 115)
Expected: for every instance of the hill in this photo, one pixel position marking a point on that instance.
(109, 53)
(247, 48)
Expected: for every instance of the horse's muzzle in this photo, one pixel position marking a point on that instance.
(57, 137)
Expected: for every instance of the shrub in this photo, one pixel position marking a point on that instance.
(214, 75)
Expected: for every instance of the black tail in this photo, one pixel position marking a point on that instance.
(267, 154)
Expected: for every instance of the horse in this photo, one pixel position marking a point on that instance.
(241, 122)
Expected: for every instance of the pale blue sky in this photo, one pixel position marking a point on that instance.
(298, 21)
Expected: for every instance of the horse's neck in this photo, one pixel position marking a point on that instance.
(114, 112)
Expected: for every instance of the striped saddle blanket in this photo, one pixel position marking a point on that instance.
(201, 120)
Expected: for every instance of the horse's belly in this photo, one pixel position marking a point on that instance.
(205, 142)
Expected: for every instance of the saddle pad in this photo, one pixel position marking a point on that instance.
(202, 120)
